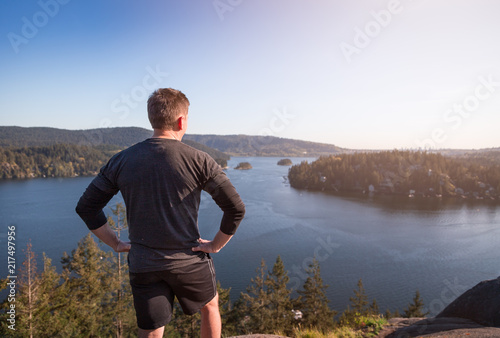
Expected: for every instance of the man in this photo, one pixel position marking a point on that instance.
(161, 181)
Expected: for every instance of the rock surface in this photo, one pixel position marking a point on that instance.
(436, 327)
(480, 304)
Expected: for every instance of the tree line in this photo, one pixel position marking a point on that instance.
(58, 160)
(91, 297)
(68, 160)
(475, 175)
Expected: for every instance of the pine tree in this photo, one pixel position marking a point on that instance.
(182, 325)
(313, 301)
(415, 309)
(360, 300)
(28, 294)
(374, 309)
(254, 305)
(358, 307)
(280, 303)
(88, 310)
(51, 300)
(123, 312)
(226, 309)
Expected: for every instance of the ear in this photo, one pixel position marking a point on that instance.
(181, 122)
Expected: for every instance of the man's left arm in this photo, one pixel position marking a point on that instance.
(229, 201)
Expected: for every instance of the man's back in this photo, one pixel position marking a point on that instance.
(161, 182)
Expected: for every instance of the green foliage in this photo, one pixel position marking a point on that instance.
(313, 301)
(370, 325)
(50, 152)
(415, 309)
(53, 161)
(254, 306)
(243, 145)
(91, 298)
(123, 313)
(87, 278)
(399, 172)
(280, 303)
(285, 161)
(359, 306)
(267, 306)
(243, 166)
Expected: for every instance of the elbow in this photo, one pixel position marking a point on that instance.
(240, 210)
(79, 209)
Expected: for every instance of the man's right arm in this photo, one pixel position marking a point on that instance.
(229, 201)
(225, 196)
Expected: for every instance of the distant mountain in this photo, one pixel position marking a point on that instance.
(43, 136)
(236, 145)
(121, 137)
(244, 145)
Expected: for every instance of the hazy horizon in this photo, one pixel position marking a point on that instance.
(291, 138)
(366, 75)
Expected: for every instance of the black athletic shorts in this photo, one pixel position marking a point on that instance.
(193, 285)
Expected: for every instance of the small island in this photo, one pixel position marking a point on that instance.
(285, 162)
(243, 166)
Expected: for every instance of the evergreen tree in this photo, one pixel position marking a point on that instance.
(358, 307)
(280, 303)
(360, 300)
(27, 295)
(86, 273)
(254, 306)
(50, 301)
(416, 308)
(388, 314)
(38, 299)
(313, 301)
(374, 309)
(226, 309)
(124, 314)
(182, 325)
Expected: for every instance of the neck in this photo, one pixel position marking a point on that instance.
(168, 134)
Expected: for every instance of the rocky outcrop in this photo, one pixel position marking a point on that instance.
(436, 327)
(480, 304)
(475, 313)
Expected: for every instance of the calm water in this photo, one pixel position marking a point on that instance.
(396, 245)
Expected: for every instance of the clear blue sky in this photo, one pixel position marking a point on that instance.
(357, 74)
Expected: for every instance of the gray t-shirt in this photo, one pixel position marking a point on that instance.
(161, 182)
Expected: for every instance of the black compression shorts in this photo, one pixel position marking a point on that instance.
(193, 285)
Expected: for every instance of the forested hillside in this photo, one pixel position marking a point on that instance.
(42, 136)
(59, 160)
(244, 145)
(50, 152)
(236, 145)
(472, 175)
